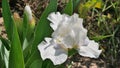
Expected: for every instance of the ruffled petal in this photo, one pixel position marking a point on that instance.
(91, 50)
(70, 31)
(55, 18)
(48, 51)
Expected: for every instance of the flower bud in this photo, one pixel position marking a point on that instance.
(30, 21)
(28, 12)
(18, 21)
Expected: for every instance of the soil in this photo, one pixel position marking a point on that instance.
(78, 61)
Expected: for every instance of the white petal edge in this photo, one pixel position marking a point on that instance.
(91, 50)
(47, 51)
(55, 18)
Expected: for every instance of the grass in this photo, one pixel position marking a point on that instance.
(103, 25)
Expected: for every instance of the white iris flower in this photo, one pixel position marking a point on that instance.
(68, 33)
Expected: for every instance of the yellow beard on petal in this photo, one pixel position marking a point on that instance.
(61, 45)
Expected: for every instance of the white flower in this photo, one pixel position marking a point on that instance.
(68, 33)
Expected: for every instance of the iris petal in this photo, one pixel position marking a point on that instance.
(48, 51)
(91, 50)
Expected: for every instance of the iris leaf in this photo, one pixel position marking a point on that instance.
(75, 4)
(69, 8)
(43, 28)
(16, 56)
(7, 18)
